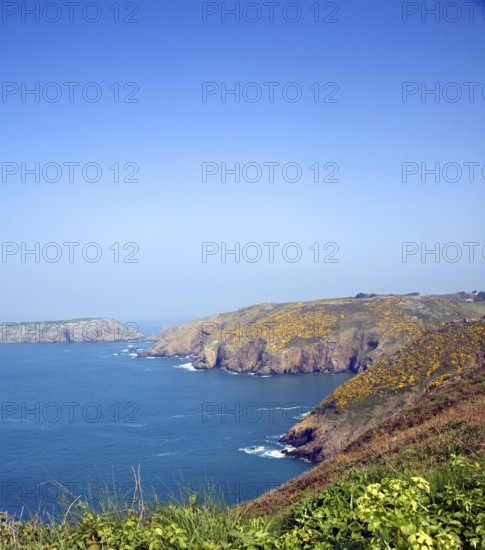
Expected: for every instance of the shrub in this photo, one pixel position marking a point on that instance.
(365, 512)
(395, 513)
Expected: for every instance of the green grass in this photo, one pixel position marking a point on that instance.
(379, 508)
(414, 481)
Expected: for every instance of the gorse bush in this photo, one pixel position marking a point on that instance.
(364, 512)
(450, 348)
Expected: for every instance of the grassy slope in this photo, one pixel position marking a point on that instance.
(447, 418)
(385, 388)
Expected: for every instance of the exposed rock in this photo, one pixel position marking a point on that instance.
(386, 388)
(323, 336)
(254, 357)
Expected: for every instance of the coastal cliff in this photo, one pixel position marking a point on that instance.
(73, 331)
(447, 418)
(321, 336)
(386, 388)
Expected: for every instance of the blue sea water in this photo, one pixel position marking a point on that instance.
(81, 416)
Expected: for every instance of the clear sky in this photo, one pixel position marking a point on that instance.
(167, 129)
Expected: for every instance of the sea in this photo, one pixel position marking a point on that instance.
(83, 421)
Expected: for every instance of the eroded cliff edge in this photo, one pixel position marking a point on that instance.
(322, 336)
(388, 387)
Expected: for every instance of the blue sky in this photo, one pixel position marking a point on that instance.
(170, 132)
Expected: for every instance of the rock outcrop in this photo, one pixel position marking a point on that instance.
(322, 336)
(255, 357)
(386, 388)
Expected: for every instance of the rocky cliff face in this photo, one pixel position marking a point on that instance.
(259, 357)
(256, 357)
(386, 388)
(323, 336)
(73, 331)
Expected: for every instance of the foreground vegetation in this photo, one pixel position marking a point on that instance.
(413, 480)
(443, 509)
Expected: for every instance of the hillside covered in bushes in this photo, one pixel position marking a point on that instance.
(414, 479)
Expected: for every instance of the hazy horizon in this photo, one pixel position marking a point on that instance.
(304, 149)
(155, 322)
